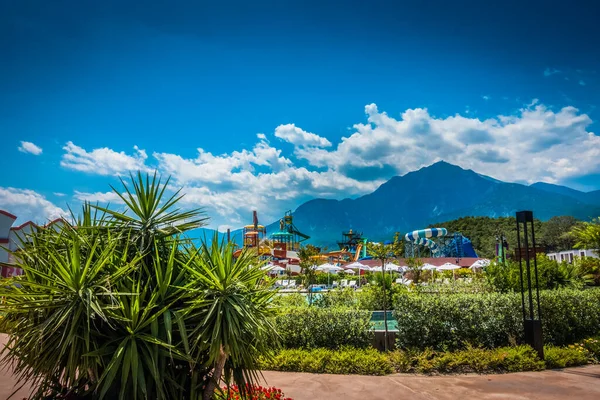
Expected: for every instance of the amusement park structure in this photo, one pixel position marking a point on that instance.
(288, 238)
(254, 235)
(351, 247)
(281, 247)
(438, 243)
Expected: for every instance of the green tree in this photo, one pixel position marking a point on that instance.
(415, 266)
(587, 235)
(553, 233)
(383, 253)
(307, 256)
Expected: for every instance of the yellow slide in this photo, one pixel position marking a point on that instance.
(358, 249)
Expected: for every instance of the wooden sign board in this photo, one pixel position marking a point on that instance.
(522, 252)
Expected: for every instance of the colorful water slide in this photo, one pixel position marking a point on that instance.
(430, 244)
(422, 237)
(358, 249)
(425, 234)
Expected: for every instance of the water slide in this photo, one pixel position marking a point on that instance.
(422, 237)
(425, 234)
(430, 244)
(358, 249)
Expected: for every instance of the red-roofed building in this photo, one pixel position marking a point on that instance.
(462, 262)
(11, 238)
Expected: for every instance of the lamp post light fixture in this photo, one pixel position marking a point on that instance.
(532, 326)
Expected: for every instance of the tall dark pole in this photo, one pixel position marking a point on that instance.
(532, 326)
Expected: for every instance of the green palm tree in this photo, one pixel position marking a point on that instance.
(587, 235)
(121, 305)
(233, 311)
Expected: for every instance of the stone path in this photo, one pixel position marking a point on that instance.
(572, 383)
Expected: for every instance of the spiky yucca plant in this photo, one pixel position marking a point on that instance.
(120, 305)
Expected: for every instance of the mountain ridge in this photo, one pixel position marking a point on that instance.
(438, 192)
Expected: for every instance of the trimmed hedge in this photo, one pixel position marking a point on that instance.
(450, 321)
(332, 328)
(471, 360)
(344, 361)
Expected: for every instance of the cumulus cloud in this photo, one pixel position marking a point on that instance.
(296, 136)
(230, 186)
(535, 144)
(102, 161)
(29, 205)
(31, 148)
(98, 197)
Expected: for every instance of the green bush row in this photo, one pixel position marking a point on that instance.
(478, 360)
(347, 360)
(491, 320)
(311, 327)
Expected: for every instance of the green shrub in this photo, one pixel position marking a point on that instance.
(343, 361)
(313, 327)
(551, 275)
(290, 300)
(341, 297)
(592, 345)
(371, 362)
(449, 321)
(570, 315)
(519, 358)
(561, 357)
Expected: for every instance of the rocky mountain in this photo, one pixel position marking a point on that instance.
(439, 192)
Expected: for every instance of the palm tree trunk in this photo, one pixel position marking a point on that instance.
(209, 391)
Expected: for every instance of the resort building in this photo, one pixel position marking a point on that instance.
(569, 255)
(11, 238)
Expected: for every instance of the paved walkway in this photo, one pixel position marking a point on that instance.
(572, 383)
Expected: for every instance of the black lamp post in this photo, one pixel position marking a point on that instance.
(531, 325)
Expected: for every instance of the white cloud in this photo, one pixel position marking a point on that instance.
(291, 133)
(31, 148)
(551, 71)
(486, 98)
(98, 197)
(102, 161)
(535, 144)
(581, 82)
(59, 194)
(29, 205)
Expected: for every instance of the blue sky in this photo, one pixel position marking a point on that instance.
(291, 100)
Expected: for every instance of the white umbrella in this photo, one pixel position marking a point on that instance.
(428, 267)
(349, 271)
(448, 267)
(377, 269)
(394, 267)
(358, 265)
(329, 268)
(277, 268)
(480, 263)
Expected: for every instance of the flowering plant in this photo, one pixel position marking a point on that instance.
(253, 392)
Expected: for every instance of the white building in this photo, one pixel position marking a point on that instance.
(569, 255)
(11, 238)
